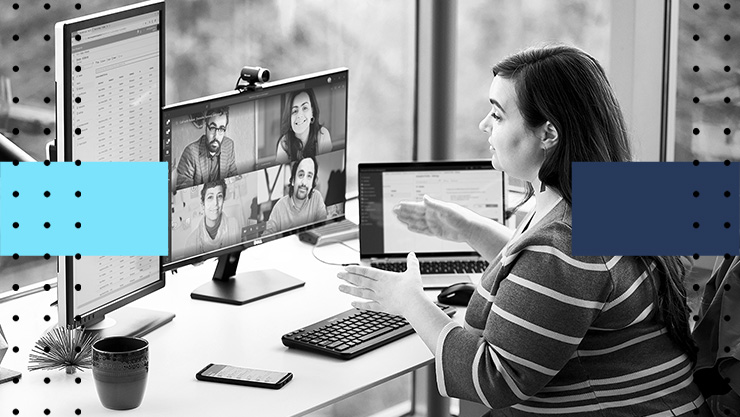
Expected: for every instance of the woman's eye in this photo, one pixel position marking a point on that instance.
(495, 116)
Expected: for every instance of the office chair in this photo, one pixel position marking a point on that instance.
(717, 334)
(9, 151)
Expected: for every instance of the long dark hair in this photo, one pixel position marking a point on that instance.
(567, 87)
(292, 145)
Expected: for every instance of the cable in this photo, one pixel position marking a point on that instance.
(324, 243)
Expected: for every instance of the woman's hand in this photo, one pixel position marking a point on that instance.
(437, 218)
(390, 292)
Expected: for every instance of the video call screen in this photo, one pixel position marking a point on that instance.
(254, 165)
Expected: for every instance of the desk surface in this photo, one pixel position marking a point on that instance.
(204, 332)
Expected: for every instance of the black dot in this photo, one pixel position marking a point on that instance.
(727, 287)
(15, 256)
(47, 6)
(696, 225)
(78, 194)
(78, 100)
(47, 131)
(78, 256)
(727, 6)
(696, 6)
(16, 287)
(727, 100)
(16, 380)
(78, 224)
(15, 162)
(15, 349)
(727, 411)
(47, 349)
(78, 162)
(47, 287)
(78, 287)
(47, 38)
(78, 317)
(15, 225)
(727, 68)
(47, 162)
(78, 131)
(696, 194)
(696, 318)
(727, 349)
(47, 256)
(696, 68)
(47, 68)
(47, 194)
(15, 194)
(727, 318)
(47, 318)
(78, 349)
(15, 410)
(16, 37)
(696, 162)
(696, 132)
(16, 318)
(727, 38)
(696, 256)
(16, 6)
(78, 380)
(727, 193)
(727, 256)
(16, 68)
(78, 411)
(78, 68)
(727, 131)
(47, 380)
(78, 6)
(47, 100)
(47, 225)
(727, 225)
(696, 287)
(78, 38)
(16, 100)
(696, 37)
(47, 411)
(696, 99)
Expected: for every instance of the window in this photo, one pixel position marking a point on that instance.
(489, 30)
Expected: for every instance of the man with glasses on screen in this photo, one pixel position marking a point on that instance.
(211, 157)
(304, 204)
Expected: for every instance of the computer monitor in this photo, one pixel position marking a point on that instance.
(250, 167)
(110, 90)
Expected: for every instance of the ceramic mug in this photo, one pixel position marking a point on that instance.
(120, 369)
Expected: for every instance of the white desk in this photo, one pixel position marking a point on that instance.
(204, 332)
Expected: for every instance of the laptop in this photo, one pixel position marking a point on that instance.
(385, 241)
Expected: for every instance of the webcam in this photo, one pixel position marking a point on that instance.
(252, 76)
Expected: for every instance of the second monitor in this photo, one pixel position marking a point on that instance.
(250, 167)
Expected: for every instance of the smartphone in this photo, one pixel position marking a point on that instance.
(244, 376)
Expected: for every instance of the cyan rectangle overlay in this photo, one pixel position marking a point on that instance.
(122, 209)
(649, 208)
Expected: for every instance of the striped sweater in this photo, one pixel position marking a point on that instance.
(550, 333)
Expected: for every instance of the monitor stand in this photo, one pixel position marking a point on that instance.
(231, 288)
(130, 321)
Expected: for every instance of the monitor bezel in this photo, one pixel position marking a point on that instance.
(233, 97)
(63, 80)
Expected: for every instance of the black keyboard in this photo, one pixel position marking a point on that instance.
(436, 267)
(352, 333)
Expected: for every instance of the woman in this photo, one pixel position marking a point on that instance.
(301, 134)
(547, 332)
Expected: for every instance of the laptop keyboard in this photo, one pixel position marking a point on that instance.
(352, 333)
(436, 267)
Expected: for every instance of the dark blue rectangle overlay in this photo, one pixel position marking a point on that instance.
(656, 208)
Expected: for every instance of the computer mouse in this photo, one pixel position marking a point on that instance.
(457, 294)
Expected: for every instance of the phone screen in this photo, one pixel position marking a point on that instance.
(244, 374)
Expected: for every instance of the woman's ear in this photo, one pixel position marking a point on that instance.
(549, 136)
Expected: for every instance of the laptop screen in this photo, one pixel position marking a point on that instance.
(471, 184)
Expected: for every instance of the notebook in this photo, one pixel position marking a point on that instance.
(385, 241)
